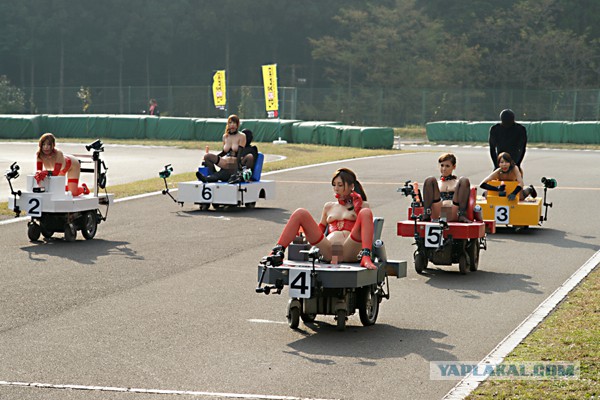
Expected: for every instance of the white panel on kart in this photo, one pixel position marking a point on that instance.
(198, 192)
(253, 190)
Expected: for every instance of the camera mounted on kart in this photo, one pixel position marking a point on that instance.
(408, 189)
(96, 146)
(13, 172)
(164, 174)
(549, 183)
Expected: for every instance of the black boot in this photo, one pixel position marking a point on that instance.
(200, 176)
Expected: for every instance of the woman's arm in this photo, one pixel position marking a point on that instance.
(493, 176)
(323, 221)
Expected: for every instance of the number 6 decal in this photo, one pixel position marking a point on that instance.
(299, 283)
(206, 193)
(35, 207)
(502, 214)
(433, 235)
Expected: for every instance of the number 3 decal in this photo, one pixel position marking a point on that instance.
(35, 207)
(433, 235)
(502, 214)
(299, 283)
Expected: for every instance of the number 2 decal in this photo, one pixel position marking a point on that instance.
(299, 283)
(35, 207)
(502, 214)
(433, 235)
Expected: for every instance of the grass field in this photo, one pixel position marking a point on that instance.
(570, 333)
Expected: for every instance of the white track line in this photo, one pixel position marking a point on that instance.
(154, 391)
(470, 382)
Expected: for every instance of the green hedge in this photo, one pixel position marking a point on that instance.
(170, 128)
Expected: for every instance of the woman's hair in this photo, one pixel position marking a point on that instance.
(233, 118)
(447, 157)
(349, 177)
(506, 157)
(45, 137)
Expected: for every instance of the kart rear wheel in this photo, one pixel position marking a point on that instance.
(251, 205)
(218, 206)
(294, 317)
(473, 251)
(46, 233)
(308, 318)
(70, 232)
(340, 315)
(420, 262)
(369, 306)
(33, 231)
(204, 207)
(90, 225)
(462, 264)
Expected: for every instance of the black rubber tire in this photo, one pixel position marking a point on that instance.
(473, 251)
(369, 306)
(308, 318)
(70, 232)
(33, 231)
(463, 265)
(341, 319)
(294, 317)
(204, 207)
(90, 225)
(46, 233)
(218, 207)
(420, 262)
(251, 205)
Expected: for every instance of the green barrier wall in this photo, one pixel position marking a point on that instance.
(587, 132)
(147, 127)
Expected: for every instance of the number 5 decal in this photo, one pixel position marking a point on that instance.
(35, 207)
(299, 283)
(502, 214)
(433, 235)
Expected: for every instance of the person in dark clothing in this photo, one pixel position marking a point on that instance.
(508, 137)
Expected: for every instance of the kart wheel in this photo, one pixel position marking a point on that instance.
(204, 207)
(218, 206)
(70, 232)
(90, 225)
(33, 231)
(340, 315)
(251, 205)
(294, 317)
(369, 306)
(46, 233)
(462, 264)
(420, 262)
(473, 251)
(308, 318)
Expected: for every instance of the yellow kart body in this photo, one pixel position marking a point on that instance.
(510, 212)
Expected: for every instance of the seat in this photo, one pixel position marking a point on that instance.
(258, 164)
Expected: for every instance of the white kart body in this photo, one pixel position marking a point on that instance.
(225, 193)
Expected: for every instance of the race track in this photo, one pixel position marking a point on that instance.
(163, 297)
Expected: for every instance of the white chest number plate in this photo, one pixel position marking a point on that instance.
(34, 207)
(299, 283)
(502, 214)
(433, 235)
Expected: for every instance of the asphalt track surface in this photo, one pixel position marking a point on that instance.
(163, 297)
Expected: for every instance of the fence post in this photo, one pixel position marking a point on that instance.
(575, 106)
(423, 106)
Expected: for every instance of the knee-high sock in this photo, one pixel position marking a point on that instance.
(364, 229)
(301, 218)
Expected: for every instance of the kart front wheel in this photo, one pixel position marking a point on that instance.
(294, 317)
(340, 315)
(420, 262)
(33, 231)
(462, 264)
(70, 232)
(473, 251)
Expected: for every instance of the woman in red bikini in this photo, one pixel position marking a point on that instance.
(52, 159)
(349, 221)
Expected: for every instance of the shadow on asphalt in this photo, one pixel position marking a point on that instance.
(278, 215)
(484, 282)
(368, 344)
(555, 237)
(81, 251)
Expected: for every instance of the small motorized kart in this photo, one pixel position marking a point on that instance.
(246, 192)
(442, 242)
(52, 209)
(519, 214)
(317, 287)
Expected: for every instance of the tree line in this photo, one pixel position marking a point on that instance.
(340, 44)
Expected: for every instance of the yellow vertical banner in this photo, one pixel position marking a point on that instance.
(219, 90)
(270, 83)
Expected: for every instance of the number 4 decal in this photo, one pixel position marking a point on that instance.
(300, 283)
(35, 207)
(502, 214)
